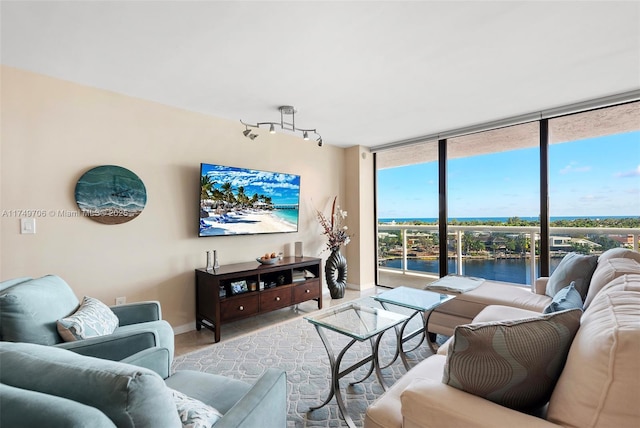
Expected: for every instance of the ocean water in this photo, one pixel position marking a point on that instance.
(497, 219)
(110, 187)
(289, 216)
(508, 270)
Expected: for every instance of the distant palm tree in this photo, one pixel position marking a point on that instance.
(206, 187)
(242, 198)
(227, 191)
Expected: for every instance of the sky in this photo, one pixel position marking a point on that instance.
(282, 188)
(591, 177)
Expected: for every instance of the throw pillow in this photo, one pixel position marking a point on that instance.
(513, 363)
(93, 318)
(573, 267)
(194, 413)
(567, 298)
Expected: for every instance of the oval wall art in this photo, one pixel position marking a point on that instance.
(110, 194)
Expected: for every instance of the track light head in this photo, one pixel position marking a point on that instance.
(320, 142)
(246, 132)
(305, 136)
(253, 136)
(272, 129)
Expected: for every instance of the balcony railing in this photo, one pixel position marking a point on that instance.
(532, 233)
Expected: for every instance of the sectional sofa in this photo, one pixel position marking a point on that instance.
(512, 365)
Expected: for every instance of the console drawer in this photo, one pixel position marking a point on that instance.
(275, 298)
(239, 307)
(307, 291)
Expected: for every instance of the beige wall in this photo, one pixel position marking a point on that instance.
(358, 196)
(53, 131)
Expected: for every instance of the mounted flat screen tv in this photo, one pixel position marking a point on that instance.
(241, 201)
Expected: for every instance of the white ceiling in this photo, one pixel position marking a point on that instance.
(361, 72)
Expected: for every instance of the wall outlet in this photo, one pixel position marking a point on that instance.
(28, 225)
(121, 300)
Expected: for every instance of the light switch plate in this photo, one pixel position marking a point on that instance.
(27, 225)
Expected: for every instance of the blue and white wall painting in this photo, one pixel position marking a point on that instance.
(110, 194)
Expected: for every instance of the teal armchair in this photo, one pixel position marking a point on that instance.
(45, 386)
(30, 308)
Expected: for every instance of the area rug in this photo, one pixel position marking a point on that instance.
(295, 346)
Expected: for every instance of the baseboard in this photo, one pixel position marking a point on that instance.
(184, 328)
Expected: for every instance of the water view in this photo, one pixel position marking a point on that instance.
(493, 252)
(508, 270)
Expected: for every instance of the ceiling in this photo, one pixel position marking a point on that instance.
(364, 73)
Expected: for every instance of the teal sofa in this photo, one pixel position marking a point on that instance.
(45, 386)
(30, 308)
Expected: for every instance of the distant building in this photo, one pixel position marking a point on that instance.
(566, 243)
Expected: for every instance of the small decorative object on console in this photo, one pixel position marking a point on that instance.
(238, 287)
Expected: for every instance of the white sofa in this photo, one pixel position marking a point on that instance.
(598, 386)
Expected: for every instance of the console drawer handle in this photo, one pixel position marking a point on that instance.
(307, 291)
(241, 308)
(277, 299)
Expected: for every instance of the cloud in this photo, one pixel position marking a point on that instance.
(571, 168)
(592, 198)
(626, 174)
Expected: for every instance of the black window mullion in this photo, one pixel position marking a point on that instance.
(544, 198)
(442, 207)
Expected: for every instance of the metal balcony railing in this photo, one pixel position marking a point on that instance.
(531, 232)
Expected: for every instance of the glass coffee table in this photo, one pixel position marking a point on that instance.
(420, 302)
(360, 323)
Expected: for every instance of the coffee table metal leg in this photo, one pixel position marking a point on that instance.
(432, 344)
(401, 339)
(399, 330)
(335, 376)
(373, 365)
(376, 361)
(332, 365)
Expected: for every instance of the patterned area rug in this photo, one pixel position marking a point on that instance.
(295, 346)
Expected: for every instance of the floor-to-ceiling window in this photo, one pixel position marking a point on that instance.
(407, 211)
(493, 203)
(494, 200)
(594, 179)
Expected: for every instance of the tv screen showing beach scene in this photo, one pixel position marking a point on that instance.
(242, 201)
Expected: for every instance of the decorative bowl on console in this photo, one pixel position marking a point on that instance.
(269, 261)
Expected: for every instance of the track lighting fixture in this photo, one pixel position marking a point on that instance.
(287, 126)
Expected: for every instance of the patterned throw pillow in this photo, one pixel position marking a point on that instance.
(573, 267)
(194, 413)
(93, 318)
(567, 298)
(513, 363)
